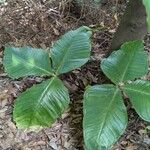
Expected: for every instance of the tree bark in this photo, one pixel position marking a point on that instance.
(133, 25)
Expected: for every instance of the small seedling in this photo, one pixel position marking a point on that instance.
(105, 115)
(42, 104)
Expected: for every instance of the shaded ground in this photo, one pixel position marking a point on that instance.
(39, 23)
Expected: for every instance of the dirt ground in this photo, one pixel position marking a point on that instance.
(39, 23)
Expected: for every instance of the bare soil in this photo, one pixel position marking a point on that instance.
(39, 23)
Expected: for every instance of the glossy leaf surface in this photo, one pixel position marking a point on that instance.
(41, 105)
(128, 63)
(72, 50)
(105, 116)
(25, 61)
(139, 95)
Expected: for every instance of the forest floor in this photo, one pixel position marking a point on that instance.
(39, 23)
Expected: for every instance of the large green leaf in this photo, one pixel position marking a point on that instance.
(41, 105)
(24, 61)
(128, 63)
(139, 95)
(72, 50)
(147, 6)
(105, 116)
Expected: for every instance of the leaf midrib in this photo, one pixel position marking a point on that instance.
(33, 65)
(40, 99)
(64, 56)
(138, 91)
(107, 112)
(66, 52)
(127, 66)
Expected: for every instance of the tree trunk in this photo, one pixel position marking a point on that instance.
(133, 25)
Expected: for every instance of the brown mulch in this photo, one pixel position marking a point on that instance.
(38, 23)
